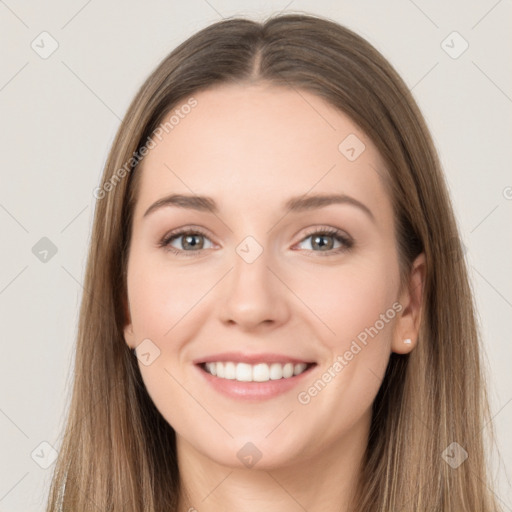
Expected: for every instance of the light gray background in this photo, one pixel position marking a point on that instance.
(58, 119)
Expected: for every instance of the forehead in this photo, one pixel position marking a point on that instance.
(241, 144)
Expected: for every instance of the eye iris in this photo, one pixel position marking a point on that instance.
(320, 245)
(195, 241)
(188, 241)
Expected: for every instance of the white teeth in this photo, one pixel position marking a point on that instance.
(230, 371)
(244, 372)
(276, 371)
(260, 372)
(212, 368)
(288, 370)
(299, 368)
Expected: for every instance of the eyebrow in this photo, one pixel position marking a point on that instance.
(294, 204)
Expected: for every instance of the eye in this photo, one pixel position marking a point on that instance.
(190, 241)
(323, 240)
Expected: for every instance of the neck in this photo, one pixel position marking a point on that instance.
(325, 482)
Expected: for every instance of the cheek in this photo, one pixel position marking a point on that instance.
(161, 297)
(351, 302)
(147, 302)
(358, 308)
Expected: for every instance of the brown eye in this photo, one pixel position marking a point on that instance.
(186, 241)
(190, 241)
(328, 241)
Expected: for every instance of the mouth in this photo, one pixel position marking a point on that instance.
(253, 377)
(260, 372)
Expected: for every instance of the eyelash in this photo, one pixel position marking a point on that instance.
(347, 242)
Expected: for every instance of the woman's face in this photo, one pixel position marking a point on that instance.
(268, 277)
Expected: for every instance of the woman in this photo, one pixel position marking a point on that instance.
(278, 313)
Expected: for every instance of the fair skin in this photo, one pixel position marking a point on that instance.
(251, 148)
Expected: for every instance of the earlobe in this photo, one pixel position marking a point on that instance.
(408, 324)
(128, 328)
(404, 346)
(128, 336)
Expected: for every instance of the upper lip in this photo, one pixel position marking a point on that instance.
(240, 357)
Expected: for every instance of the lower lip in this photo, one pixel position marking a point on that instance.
(253, 390)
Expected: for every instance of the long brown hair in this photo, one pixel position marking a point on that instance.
(118, 453)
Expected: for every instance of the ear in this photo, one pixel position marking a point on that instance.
(411, 298)
(129, 336)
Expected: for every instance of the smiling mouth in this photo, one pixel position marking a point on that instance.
(261, 372)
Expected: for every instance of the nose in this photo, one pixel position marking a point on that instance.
(253, 297)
